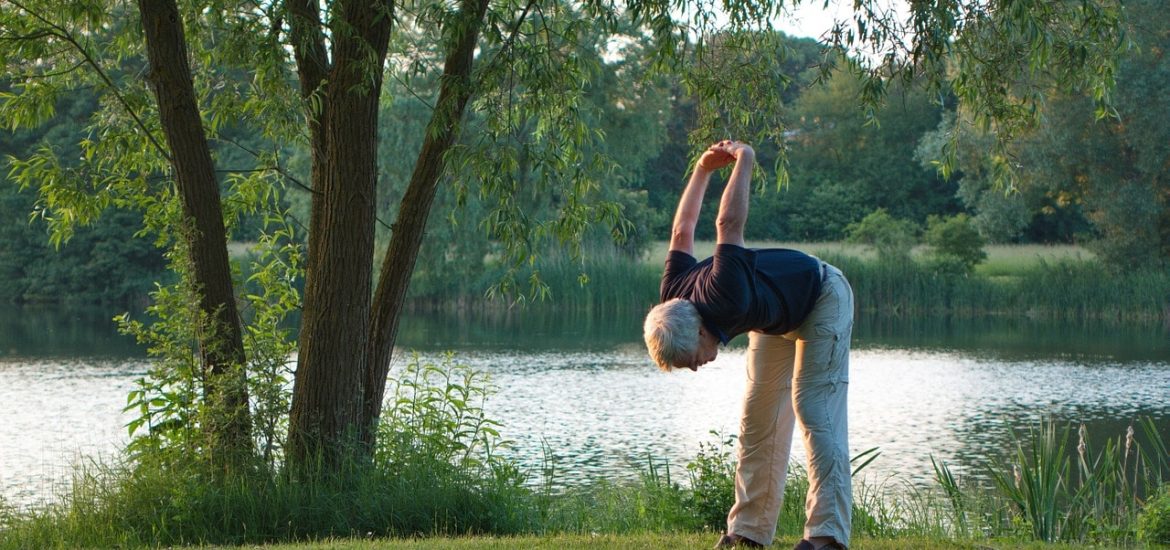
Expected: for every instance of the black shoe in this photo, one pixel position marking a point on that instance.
(736, 541)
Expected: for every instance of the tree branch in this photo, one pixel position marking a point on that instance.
(308, 45)
(65, 35)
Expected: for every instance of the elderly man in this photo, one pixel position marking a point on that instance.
(798, 313)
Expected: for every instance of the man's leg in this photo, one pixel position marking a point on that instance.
(765, 439)
(820, 390)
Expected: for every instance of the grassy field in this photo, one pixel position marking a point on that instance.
(647, 541)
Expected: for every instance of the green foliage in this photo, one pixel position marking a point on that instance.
(1068, 289)
(1036, 481)
(1153, 524)
(434, 415)
(847, 161)
(107, 261)
(169, 401)
(713, 482)
(436, 471)
(955, 244)
(1095, 496)
(1075, 175)
(891, 238)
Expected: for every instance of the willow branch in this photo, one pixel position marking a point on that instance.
(65, 35)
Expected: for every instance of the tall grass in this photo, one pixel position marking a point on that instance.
(1055, 283)
(1047, 491)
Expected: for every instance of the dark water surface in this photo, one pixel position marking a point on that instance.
(955, 389)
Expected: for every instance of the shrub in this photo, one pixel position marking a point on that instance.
(890, 237)
(955, 243)
(1153, 525)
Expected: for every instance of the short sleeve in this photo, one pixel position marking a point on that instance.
(732, 283)
(678, 264)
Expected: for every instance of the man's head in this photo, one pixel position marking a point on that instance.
(675, 336)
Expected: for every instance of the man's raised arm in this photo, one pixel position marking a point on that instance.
(733, 207)
(682, 234)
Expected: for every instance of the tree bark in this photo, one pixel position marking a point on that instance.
(408, 229)
(221, 347)
(324, 423)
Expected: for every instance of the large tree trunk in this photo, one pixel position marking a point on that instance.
(222, 348)
(324, 423)
(394, 279)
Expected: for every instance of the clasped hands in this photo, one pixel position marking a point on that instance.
(725, 152)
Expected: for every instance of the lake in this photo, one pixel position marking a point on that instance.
(583, 385)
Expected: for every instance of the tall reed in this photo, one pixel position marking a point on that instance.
(1052, 492)
(1061, 289)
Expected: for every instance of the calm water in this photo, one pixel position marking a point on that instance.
(584, 385)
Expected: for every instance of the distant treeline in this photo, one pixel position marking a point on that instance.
(1076, 178)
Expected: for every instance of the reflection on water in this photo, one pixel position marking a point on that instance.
(52, 332)
(606, 412)
(583, 384)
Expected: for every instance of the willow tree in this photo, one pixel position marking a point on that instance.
(311, 73)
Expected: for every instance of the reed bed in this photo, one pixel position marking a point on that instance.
(1053, 283)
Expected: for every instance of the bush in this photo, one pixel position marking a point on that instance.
(891, 237)
(1153, 525)
(955, 243)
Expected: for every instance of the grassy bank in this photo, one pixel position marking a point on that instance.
(437, 479)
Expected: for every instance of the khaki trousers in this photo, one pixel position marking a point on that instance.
(802, 375)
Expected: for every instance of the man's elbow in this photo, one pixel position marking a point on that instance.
(730, 230)
(729, 225)
(682, 231)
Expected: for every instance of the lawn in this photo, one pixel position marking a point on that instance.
(645, 541)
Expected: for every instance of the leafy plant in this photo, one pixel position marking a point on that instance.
(892, 238)
(1153, 525)
(170, 401)
(712, 474)
(435, 417)
(955, 243)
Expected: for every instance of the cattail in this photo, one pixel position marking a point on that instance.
(1081, 445)
(1128, 440)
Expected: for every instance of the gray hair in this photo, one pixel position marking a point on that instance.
(671, 331)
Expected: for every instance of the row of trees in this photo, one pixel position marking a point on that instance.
(1068, 185)
(505, 89)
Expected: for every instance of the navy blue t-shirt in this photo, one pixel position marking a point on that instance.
(769, 290)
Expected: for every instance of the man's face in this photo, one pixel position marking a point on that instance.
(705, 353)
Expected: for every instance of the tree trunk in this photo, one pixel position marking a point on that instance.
(221, 347)
(324, 423)
(394, 278)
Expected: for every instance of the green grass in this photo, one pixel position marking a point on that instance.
(1015, 260)
(650, 541)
